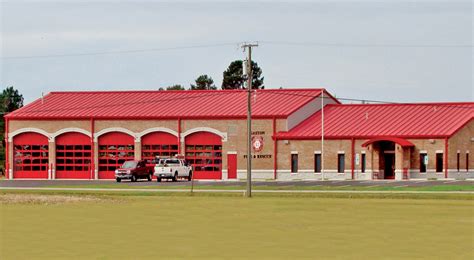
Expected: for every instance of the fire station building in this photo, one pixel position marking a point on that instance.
(87, 135)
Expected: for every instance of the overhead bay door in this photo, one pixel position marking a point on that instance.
(204, 152)
(30, 156)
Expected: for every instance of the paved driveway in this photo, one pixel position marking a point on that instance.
(52, 183)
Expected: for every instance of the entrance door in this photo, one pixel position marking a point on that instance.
(232, 166)
(389, 171)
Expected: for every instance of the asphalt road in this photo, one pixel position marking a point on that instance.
(377, 183)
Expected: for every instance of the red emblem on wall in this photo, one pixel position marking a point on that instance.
(257, 143)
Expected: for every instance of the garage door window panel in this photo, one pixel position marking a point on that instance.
(73, 156)
(30, 156)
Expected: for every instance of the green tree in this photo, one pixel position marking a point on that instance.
(10, 100)
(234, 79)
(175, 87)
(204, 82)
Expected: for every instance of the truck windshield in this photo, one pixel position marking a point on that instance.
(129, 165)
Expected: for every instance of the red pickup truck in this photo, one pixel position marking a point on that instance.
(134, 170)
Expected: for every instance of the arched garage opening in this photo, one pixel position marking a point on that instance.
(159, 144)
(114, 149)
(30, 156)
(73, 156)
(204, 152)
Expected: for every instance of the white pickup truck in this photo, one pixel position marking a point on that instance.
(173, 169)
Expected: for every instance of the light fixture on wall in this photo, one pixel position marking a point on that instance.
(432, 141)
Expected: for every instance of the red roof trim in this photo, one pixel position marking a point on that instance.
(400, 141)
(461, 127)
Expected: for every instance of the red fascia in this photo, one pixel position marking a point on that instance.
(461, 127)
(278, 137)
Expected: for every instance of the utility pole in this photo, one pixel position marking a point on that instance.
(249, 46)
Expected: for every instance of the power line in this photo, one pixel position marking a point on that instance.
(361, 45)
(288, 43)
(119, 52)
(371, 101)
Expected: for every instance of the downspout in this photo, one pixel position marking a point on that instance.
(353, 158)
(92, 175)
(275, 150)
(446, 158)
(179, 135)
(7, 154)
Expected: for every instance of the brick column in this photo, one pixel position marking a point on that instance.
(96, 160)
(138, 149)
(11, 162)
(52, 160)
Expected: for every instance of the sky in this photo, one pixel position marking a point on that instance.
(399, 51)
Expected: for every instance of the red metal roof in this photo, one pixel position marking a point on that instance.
(165, 104)
(388, 120)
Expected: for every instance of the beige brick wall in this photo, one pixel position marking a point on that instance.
(136, 125)
(49, 126)
(428, 145)
(306, 149)
(237, 139)
(462, 142)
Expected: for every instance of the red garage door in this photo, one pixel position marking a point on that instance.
(30, 156)
(159, 144)
(73, 156)
(204, 152)
(114, 149)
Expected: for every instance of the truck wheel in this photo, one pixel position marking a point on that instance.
(175, 177)
(134, 178)
(149, 177)
(190, 177)
(118, 180)
(158, 179)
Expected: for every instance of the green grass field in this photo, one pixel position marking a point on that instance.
(229, 226)
(272, 187)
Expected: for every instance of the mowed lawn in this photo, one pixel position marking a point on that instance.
(230, 227)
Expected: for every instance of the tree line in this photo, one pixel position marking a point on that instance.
(233, 78)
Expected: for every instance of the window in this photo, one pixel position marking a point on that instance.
(317, 162)
(362, 163)
(439, 162)
(340, 163)
(294, 163)
(423, 158)
(458, 161)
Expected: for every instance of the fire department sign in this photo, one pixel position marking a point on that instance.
(257, 143)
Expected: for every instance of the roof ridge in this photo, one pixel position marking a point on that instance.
(180, 91)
